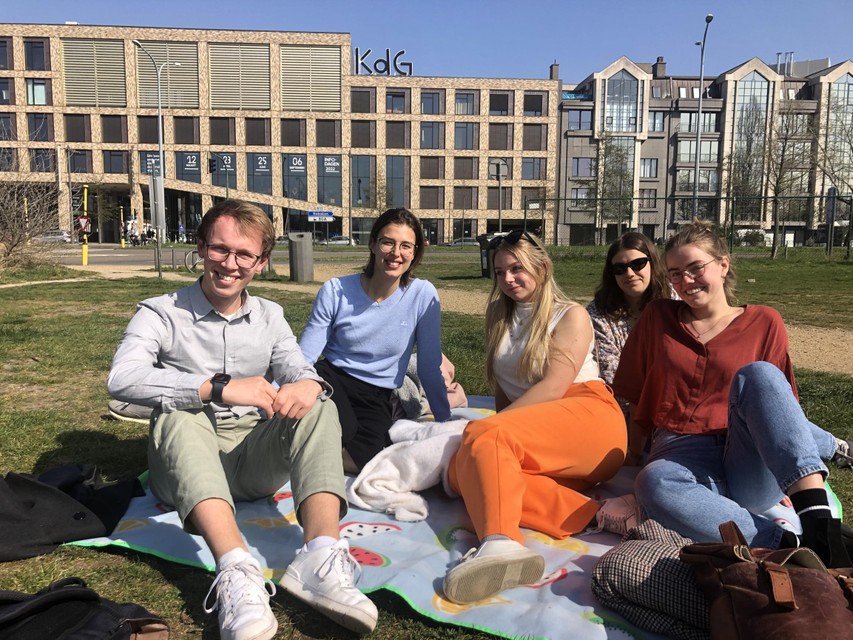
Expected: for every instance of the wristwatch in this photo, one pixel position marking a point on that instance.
(219, 381)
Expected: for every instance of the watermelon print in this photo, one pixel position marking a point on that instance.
(367, 558)
(351, 530)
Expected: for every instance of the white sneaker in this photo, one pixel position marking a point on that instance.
(325, 580)
(243, 601)
(618, 515)
(495, 566)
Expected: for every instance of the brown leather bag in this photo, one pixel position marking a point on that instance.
(762, 593)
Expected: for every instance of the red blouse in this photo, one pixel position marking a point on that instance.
(679, 384)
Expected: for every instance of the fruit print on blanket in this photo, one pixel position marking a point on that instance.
(409, 558)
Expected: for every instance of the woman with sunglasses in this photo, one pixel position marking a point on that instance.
(366, 326)
(633, 276)
(558, 429)
(713, 385)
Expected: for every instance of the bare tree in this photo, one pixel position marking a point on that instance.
(28, 208)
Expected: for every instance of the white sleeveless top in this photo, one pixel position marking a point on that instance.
(511, 347)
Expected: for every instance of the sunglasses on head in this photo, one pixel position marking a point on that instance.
(511, 238)
(621, 268)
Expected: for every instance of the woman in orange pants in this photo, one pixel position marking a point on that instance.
(558, 431)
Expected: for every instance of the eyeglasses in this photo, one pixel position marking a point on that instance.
(512, 238)
(386, 245)
(636, 265)
(244, 259)
(693, 273)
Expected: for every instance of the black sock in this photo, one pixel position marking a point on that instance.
(821, 532)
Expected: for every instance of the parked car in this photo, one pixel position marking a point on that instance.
(55, 235)
(463, 242)
(339, 241)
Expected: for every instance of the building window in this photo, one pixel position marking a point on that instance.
(37, 92)
(8, 159)
(147, 126)
(363, 134)
(7, 126)
(648, 198)
(432, 168)
(35, 55)
(294, 169)
(505, 198)
(79, 161)
(533, 168)
(39, 126)
(648, 167)
(534, 137)
(226, 169)
(77, 128)
(708, 151)
(395, 102)
(580, 120)
(362, 176)
(500, 103)
(583, 167)
(464, 198)
(655, 120)
(579, 194)
(113, 129)
(259, 172)
(188, 166)
(465, 103)
(465, 136)
(222, 131)
(396, 181)
(397, 135)
(532, 194)
(361, 100)
(432, 198)
(492, 168)
(500, 136)
(258, 133)
(6, 90)
(465, 169)
(115, 161)
(623, 102)
(185, 130)
(431, 103)
(42, 160)
(682, 92)
(149, 162)
(656, 91)
(292, 132)
(710, 122)
(328, 133)
(5, 49)
(432, 135)
(709, 180)
(534, 104)
(329, 184)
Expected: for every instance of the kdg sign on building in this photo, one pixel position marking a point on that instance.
(381, 66)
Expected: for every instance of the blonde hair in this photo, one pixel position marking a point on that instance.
(536, 356)
(703, 235)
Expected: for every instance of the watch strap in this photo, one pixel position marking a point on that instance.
(218, 383)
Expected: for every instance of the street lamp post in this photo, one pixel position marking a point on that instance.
(701, 45)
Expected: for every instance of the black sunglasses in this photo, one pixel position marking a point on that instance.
(621, 268)
(511, 238)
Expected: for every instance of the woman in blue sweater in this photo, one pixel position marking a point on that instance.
(366, 326)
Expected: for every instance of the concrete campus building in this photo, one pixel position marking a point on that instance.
(302, 122)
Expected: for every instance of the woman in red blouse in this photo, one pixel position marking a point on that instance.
(713, 385)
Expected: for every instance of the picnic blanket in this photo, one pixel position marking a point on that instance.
(410, 559)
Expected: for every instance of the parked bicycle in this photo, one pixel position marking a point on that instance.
(192, 260)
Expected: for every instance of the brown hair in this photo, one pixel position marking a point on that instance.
(404, 217)
(703, 235)
(250, 219)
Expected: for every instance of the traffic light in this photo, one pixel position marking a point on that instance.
(211, 164)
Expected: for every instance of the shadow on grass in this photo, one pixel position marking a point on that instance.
(116, 458)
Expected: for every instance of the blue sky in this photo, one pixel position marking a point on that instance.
(507, 38)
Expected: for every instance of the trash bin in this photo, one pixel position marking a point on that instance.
(487, 264)
(301, 256)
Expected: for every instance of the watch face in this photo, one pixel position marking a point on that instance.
(224, 378)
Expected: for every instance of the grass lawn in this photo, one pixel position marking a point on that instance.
(56, 342)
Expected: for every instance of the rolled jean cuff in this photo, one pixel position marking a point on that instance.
(801, 473)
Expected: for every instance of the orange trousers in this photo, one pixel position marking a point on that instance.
(526, 467)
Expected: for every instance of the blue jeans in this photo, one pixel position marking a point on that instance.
(694, 483)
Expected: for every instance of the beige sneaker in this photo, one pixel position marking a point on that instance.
(496, 565)
(618, 515)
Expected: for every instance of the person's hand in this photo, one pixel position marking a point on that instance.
(633, 459)
(251, 392)
(296, 399)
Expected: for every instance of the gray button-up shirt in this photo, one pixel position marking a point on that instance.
(177, 341)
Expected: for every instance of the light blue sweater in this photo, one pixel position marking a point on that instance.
(373, 341)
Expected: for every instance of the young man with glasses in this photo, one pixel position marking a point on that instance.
(366, 326)
(238, 412)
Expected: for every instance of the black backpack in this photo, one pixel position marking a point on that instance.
(68, 610)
